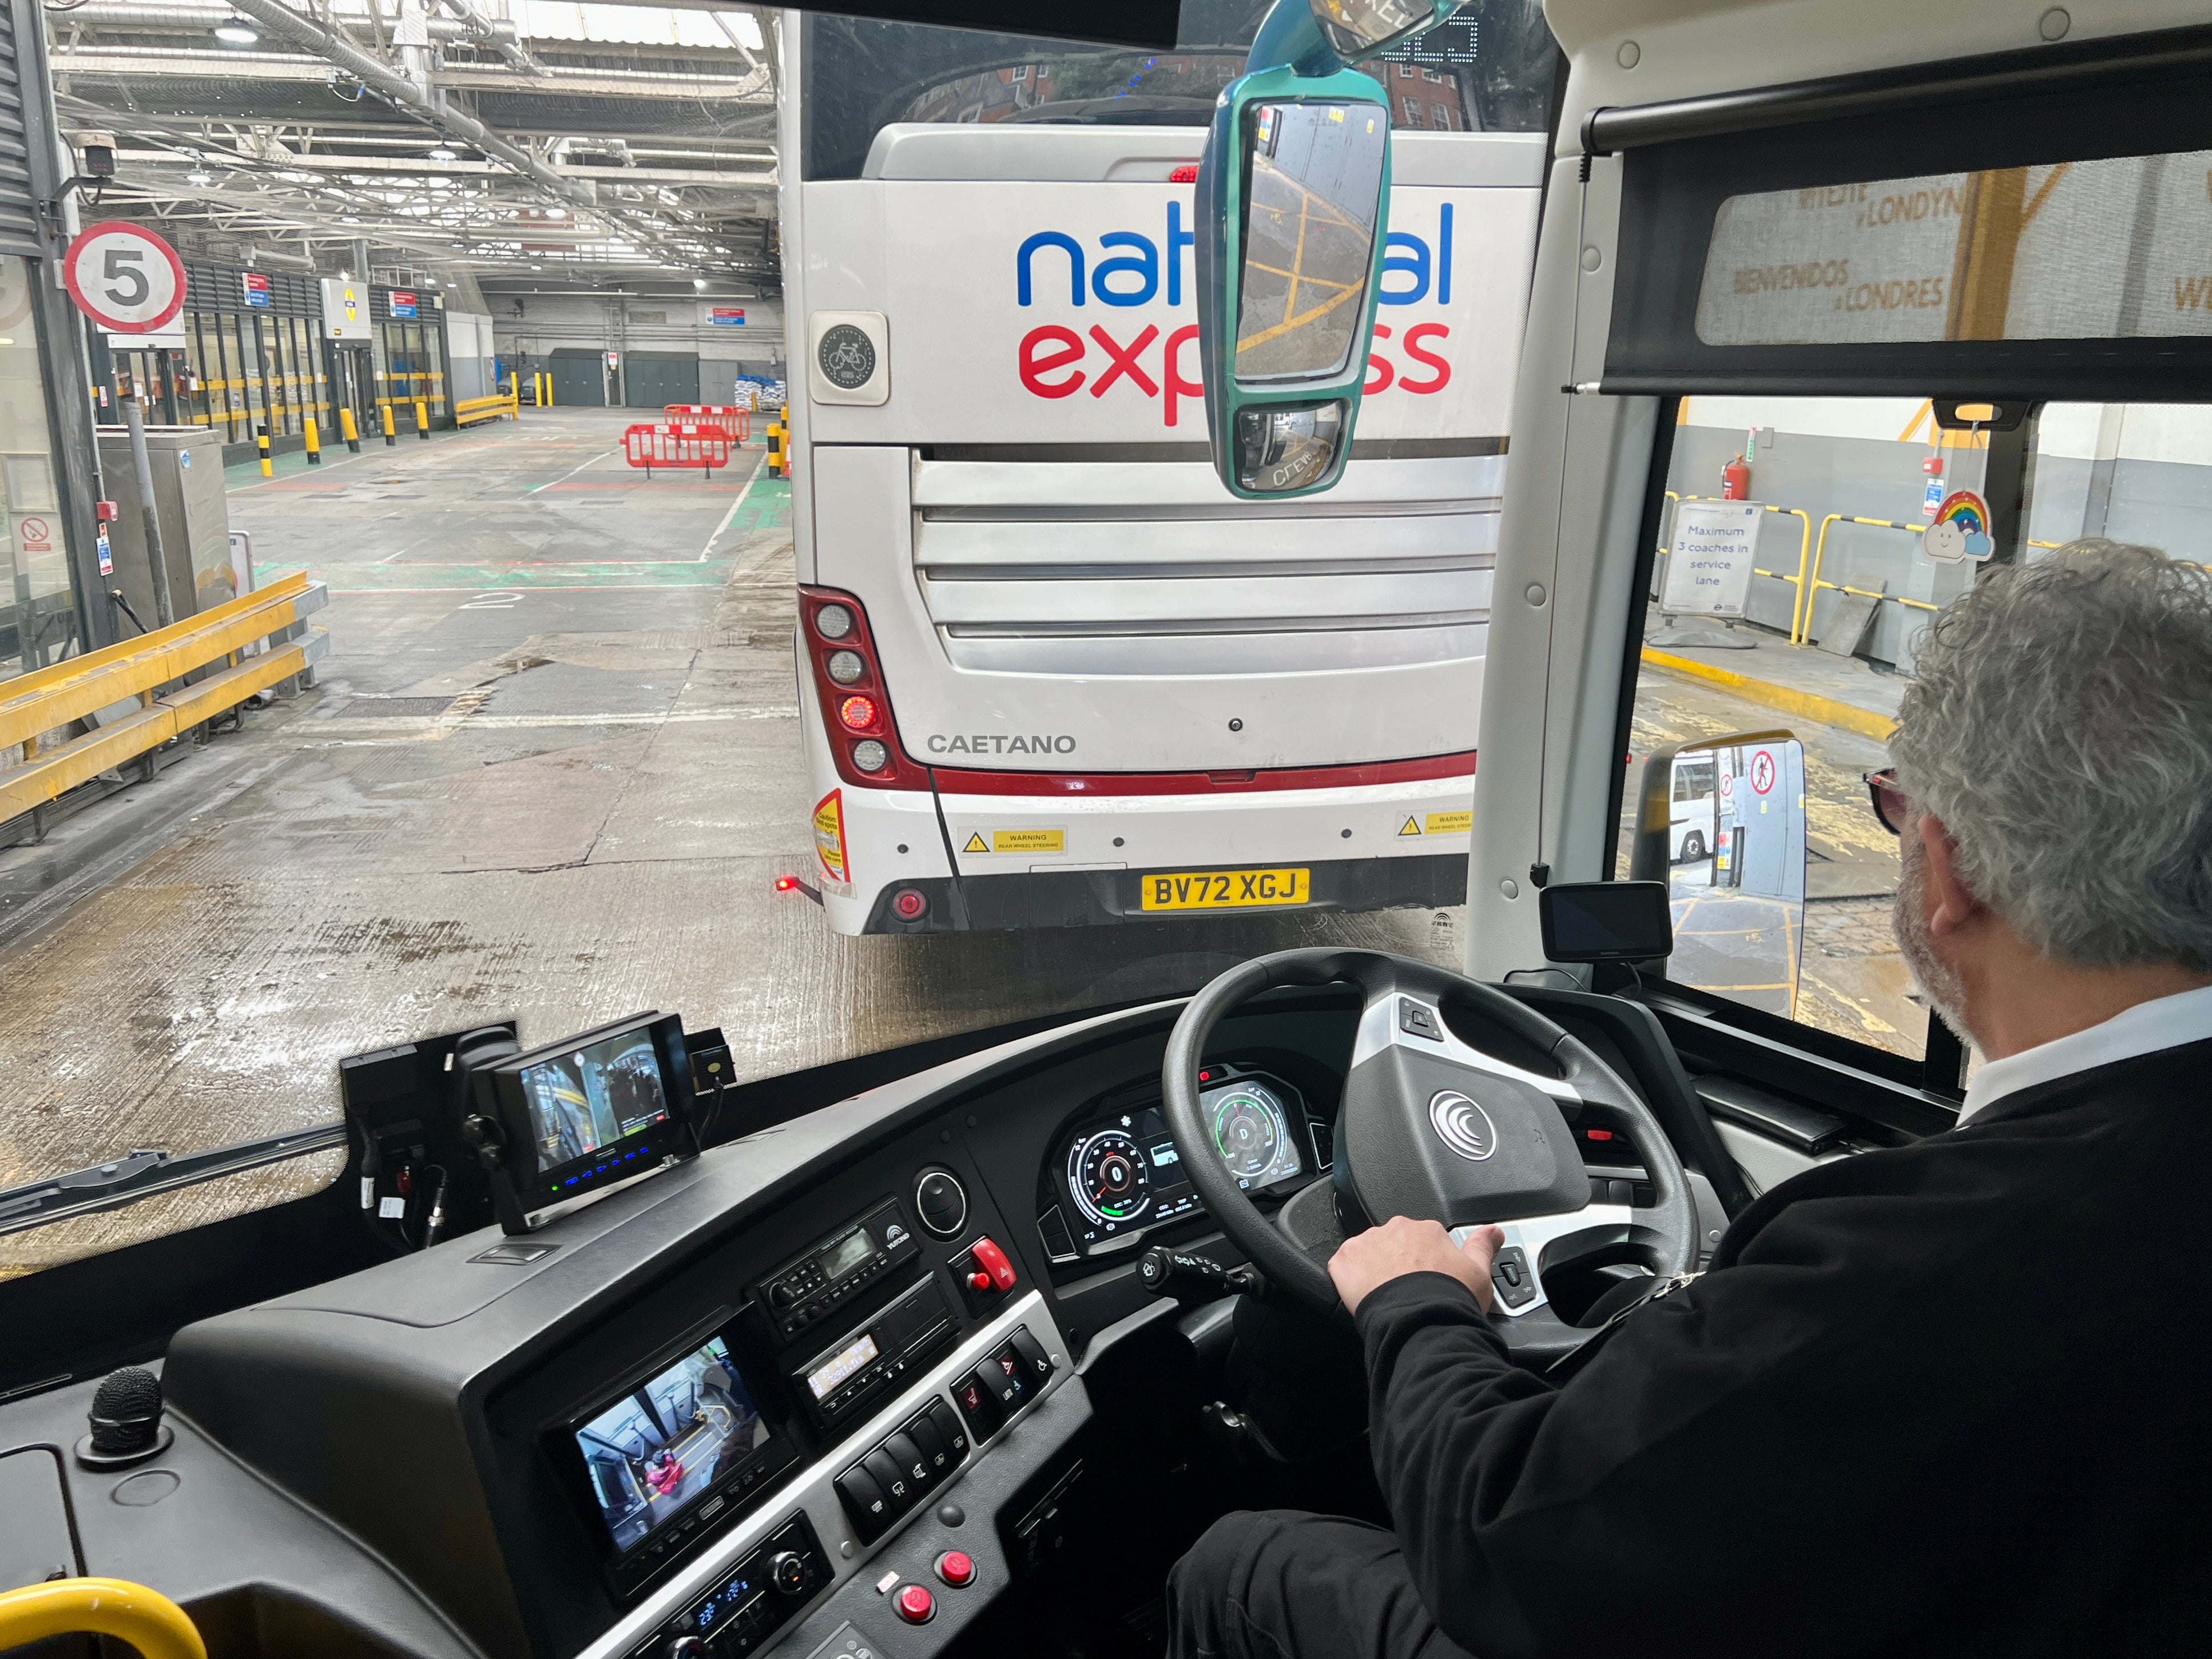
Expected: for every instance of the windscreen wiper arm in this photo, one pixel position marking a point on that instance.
(150, 1170)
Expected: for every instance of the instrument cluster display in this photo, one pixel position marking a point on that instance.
(1123, 1175)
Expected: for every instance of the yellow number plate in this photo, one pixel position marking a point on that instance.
(1226, 890)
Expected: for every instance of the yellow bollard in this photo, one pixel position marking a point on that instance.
(261, 442)
(548, 388)
(422, 419)
(349, 430)
(314, 441)
(391, 436)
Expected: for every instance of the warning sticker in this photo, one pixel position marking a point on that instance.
(1412, 826)
(1018, 841)
(1450, 824)
(830, 834)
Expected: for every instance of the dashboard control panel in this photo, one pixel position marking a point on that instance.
(746, 1608)
(802, 1293)
(1117, 1175)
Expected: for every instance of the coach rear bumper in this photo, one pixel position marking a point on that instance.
(1088, 898)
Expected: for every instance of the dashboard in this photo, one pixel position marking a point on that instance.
(1115, 1176)
(822, 1385)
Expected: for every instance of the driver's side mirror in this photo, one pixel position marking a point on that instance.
(1293, 189)
(1721, 820)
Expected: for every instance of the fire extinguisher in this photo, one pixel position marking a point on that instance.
(1735, 481)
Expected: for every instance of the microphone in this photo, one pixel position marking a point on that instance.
(125, 1420)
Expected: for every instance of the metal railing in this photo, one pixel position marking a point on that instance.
(35, 707)
(488, 409)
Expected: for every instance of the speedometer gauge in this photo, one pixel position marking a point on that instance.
(1107, 1177)
(1244, 1132)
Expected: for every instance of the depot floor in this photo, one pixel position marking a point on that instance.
(551, 773)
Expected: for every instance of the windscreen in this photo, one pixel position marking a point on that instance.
(1490, 70)
(649, 1455)
(594, 1097)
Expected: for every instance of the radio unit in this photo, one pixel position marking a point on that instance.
(802, 1293)
(903, 1336)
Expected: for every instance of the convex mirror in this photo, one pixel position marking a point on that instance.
(1722, 821)
(1293, 190)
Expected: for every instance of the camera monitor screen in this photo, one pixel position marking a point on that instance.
(653, 1455)
(594, 1097)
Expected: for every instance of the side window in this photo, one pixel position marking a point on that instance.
(1804, 545)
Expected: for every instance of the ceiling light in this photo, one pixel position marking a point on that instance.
(556, 213)
(348, 219)
(199, 178)
(699, 283)
(237, 33)
(538, 267)
(442, 154)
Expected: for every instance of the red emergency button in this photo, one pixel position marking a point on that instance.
(992, 1261)
(915, 1605)
(956, 1569)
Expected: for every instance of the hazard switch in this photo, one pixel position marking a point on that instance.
(992, 1261)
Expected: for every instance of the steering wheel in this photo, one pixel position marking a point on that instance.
(1431, 1126)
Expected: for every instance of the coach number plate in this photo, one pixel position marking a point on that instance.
(1226, 890)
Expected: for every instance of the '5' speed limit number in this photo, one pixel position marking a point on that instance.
(125, 277)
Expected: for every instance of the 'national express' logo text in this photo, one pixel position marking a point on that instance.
(1129, 270)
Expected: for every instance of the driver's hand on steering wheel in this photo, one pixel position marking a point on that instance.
(1403, 1245)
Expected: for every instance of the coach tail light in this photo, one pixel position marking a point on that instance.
(848, 684)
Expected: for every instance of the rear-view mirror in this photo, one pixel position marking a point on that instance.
(1721, 820)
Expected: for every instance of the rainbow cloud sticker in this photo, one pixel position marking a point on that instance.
(1961, 529)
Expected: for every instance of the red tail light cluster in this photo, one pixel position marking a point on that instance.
(849, 683)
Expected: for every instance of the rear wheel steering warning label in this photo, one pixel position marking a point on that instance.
(1016, 841)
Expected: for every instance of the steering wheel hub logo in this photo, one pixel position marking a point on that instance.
(1462, 1125)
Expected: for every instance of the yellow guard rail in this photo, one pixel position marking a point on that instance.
(488, 409)
(34, 706)
(149, 1620)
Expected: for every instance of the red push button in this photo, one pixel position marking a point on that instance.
(956, 1569)
(915, 1605)
(992, 1261)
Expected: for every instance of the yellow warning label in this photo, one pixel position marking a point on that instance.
(830, 834)
(1019, 840)
(1448, 823)
(1409, 828)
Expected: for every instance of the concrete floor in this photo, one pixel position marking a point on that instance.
(551, 773)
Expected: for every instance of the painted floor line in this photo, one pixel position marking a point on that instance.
(430, 726)
(758, 466)
(570, 473)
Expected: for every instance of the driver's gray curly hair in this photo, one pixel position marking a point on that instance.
(2060, 725)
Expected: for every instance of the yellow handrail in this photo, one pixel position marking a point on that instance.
(149, 1620)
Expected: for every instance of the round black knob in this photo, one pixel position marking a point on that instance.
(787, 1572)
(783, 1295)
(687, 1647)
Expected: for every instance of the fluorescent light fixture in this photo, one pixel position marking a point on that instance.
(442, 154)
(237, 32)
(699, 283)
(198, 177)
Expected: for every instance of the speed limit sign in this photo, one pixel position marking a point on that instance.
(125, 277)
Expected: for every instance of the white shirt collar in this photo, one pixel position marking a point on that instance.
(2161, 1023)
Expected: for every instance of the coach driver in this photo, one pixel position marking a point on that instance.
(1944, 1398)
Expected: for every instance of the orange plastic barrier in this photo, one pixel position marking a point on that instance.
(734, 420)
(669, 444)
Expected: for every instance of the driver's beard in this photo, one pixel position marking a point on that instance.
(1939, 982)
